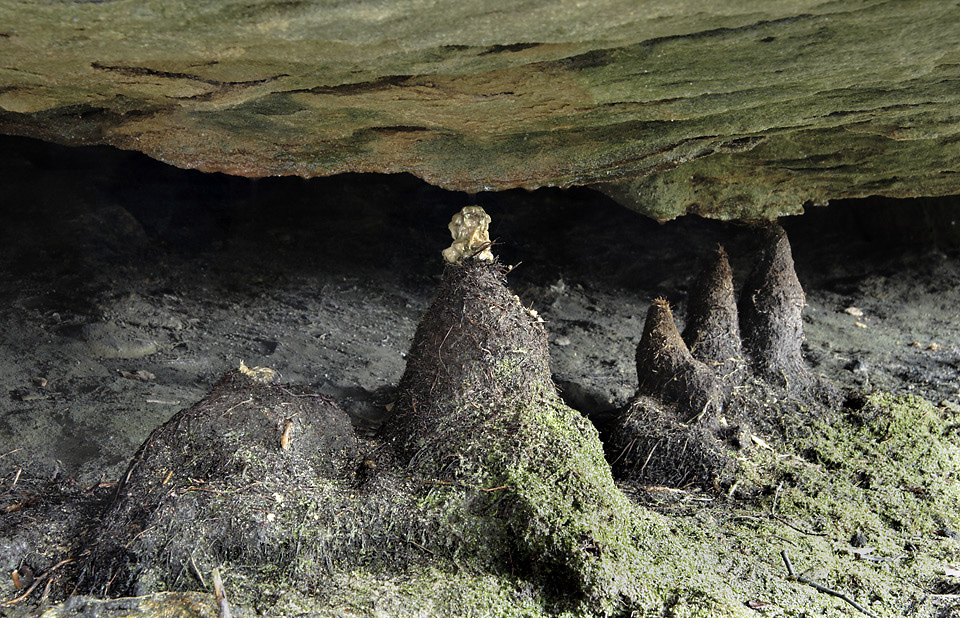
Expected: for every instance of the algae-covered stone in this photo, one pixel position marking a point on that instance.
(737, 109)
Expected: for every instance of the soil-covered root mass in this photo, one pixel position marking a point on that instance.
(484, 480)
(737, 373)
(477, 416)
(486, 495)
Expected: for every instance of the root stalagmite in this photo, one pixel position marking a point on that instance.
(701, 396)
(770, 314)
(713, 330)
(665, 366)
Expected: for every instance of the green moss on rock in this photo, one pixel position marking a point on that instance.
(738, 109)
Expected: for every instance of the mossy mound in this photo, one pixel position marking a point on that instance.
(889, 474)
(478, 417)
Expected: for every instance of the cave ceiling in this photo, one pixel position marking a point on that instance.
(731, 110)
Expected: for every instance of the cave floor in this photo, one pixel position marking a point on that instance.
(128, 287)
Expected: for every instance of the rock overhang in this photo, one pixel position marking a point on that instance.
(736, 110)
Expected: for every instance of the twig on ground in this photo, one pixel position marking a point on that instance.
(221, 595)
(234, 407)
(776, 497)
(819, 588)
(19, 505)
(196, 570)
(45, 575)
(456, 484)
(798, 529)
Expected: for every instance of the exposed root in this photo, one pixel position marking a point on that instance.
(477, 413)
(713, 329)
(658, 441)
(696, 407)
(771, 304)
(475, 342)
(666, 368)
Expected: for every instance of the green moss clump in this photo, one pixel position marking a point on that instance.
(889, 470)
(868, 505)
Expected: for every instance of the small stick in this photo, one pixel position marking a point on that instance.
(196, 570)
(221, 595)
(800, 530)
(232, 408)
(37, 581)
(819, 588)
(776, 497)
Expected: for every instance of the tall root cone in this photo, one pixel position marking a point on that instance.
(713, 329)
(672, 432)
(477, 417)
(475, 350)
(666, 368)
(770, 314)
(696, 406)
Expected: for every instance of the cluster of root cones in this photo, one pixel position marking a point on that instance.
(736, 371)
(476, 407)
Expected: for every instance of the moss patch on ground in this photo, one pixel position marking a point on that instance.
(867, 505)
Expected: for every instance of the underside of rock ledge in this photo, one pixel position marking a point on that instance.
(734, 110)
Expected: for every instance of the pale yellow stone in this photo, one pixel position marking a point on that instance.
(264, 375)
(471, 237)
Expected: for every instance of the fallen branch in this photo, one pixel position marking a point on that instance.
(819, 588)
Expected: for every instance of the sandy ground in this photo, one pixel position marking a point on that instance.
(128, 287)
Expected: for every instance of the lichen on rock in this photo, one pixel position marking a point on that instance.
(734, 110)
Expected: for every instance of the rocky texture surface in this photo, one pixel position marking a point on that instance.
(730, 110)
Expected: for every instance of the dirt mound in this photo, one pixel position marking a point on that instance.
(478, 412)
